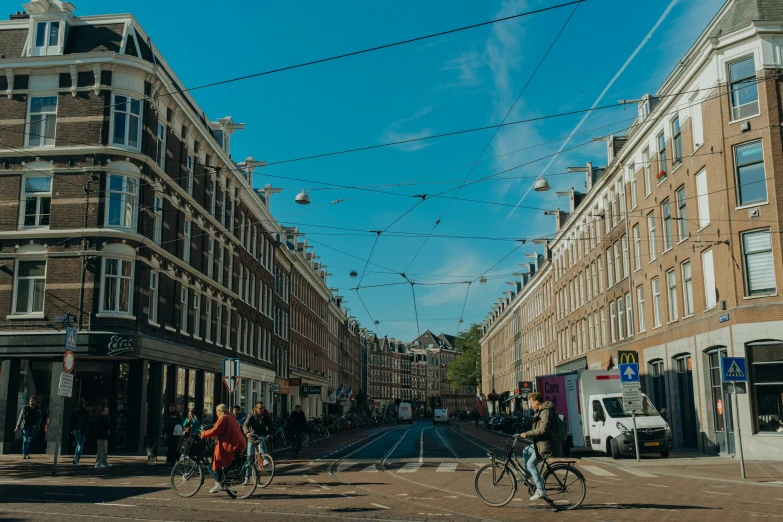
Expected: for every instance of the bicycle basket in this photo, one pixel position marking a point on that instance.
(192, 446)
(509, 449)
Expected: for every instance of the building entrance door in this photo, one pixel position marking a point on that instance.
(687, 407)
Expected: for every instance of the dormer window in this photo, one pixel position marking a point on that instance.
(47, 38)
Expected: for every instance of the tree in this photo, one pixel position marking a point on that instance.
(465, 370)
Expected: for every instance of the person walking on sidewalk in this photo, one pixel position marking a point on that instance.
(172, 432)
(297, 421)
(80, 424)
(545, 444)
(29, 421)
(231, 441)
(102, 434)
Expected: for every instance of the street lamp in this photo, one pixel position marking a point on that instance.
(303, 198)
(541, 185)
(354, 274)
(482, 280)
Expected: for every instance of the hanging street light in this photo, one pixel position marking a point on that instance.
(303, 198)
(354, 274)
(482, 280)
(542, 185)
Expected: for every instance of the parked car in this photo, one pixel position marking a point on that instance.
(440, 416)
(462, 415)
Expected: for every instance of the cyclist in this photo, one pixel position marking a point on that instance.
(258, 427)
(231, 442)
(545, 444)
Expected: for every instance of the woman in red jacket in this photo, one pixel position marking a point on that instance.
(231, 443)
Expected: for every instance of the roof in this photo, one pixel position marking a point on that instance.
(742, 12)
(94, 38)
(12, 42)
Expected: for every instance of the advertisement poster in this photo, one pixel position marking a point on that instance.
(554, 389)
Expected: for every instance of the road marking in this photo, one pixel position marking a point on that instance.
(717, 493)
(402, 494)
(658, 485)
(595, 470)
(325, 487)
(370, 469)
(380, 506)
(410, 467)
(311, 480)
(447, 467)
(66, 494)
(114, 504)
(345, 465)
(639, 473)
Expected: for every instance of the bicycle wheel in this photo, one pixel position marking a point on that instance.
(242, 481)
(265, 467)
(187, 476)
(496, 484)
(565, 487)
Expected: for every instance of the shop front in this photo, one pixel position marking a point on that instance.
(253, 387)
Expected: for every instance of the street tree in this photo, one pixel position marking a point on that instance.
(465, 370)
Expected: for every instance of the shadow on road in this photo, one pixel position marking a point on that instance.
(71, 494)
(659, 507)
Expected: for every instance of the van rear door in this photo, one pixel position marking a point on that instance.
(597, 413)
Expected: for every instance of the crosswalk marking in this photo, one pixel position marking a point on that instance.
(640, 473)
(370, 469)
(410, 467)
(447, 467)
(598, 471)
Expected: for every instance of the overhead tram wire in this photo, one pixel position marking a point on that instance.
(494, 133)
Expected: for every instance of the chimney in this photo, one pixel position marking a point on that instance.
(19, 16)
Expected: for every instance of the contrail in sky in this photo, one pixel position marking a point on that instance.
(600, 97)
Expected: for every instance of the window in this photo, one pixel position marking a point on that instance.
(751, 185)
(42, 121)
(183, 310)
(612, 318)
(766, 369)
(595, 279)
(661, 175)
(37, 197)
(230, 276)
(620, 200)
(160, 146)
(210, 257)
(682, 213)
(759, 264)
(603, 326)
(621, 318)
(241, 279)
(208, 321)
(47, 38)
(600, 275)
(122, 199)
(744, 89)
(597, 330)
(609, 268)
(126, 117)
(702, 199)
(618, 269)
(30, 283)
(117, 286)
(632, 178)
(242, 225)
(189, 172)
(651, 230)
(219, 324)
(668, 232)
(196, 314)
(628, 316)
(671, 283)
(186, 232)
(212, 196)
(708, 270)
(657, 376)
(647, 168)
(157, 220)
(637, 247)
(687, 289)
(676, 142)
(152, 313)
(656, 290)
(640, 308)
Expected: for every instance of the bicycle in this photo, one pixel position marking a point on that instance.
(263, 463)
(187, 475)
(496, 483)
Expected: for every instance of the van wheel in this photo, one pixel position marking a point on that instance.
(615, 449)
(665, 454)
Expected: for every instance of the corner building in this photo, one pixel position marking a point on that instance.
(674, 251)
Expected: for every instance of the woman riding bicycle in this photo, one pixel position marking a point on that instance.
(545, 443)
(231, 443)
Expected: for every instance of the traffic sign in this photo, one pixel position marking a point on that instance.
(274, 388)
(65, 388)
(629, 372)
(69, 361)
(231, 383)
(733, 369)
(632, 396)
(70, 338)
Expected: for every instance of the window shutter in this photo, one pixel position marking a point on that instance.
(758, 262)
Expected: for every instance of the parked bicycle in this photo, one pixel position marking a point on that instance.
(497, 482)
(187, 475)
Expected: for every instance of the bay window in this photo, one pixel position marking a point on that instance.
(122, 201)
(751, 182)
(744, 89)
(126, 121)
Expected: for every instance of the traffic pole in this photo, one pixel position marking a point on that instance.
(635, 436)
(59, 438)
(739, 432)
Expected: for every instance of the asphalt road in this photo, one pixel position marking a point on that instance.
(408, 472)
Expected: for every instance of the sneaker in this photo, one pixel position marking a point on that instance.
(99, 465)
(538, 495)
(246, 481)
(267, 462)
(216, 488)
(107, 465)
(77, 463)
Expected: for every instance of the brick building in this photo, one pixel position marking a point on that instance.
(674, 251)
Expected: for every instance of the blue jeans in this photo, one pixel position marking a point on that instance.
(77, 455)
(251, 449)
(531, 461)
(27, 437)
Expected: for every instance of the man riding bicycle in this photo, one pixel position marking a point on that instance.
(258, 428)
(545, 444)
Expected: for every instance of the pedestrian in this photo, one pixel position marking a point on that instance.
(476, 418)
(102, 429)
(231, 441)
(191, 424)
(239, 415)
(545, 444)
(297, 421)
(80, 424)
(172, 431)
(29, 421)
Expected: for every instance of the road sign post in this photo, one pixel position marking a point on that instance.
(632, 396)
(230, 377)
(734, 370)
(64, 389)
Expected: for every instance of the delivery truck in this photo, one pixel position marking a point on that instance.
(591, 403)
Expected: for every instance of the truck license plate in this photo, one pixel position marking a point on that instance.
(652, 443)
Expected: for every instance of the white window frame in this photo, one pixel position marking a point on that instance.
(687, 288)
(603, 326)
(125, 195)
(39, 197)
(187, 233)
(30, 281)
(219, 324)
(708, 273)
(221, 262)
(647, 170)
(766, 252)
(208, 321)
(740, 202)
(600, 275)
(618, 269)
(154, 296)
(640, 307)
(676, 137)
(129, 115)
(735, 113)
(120, 262)
(668, 224)
(160, 145)
(671, 295)
(626, 256)
(681, 204)
(183, 312)
(157, 220)
(612, 319)
(628, 315)
(609, 268)
(47, 122)
(651, 236)
(702, 199)
(656, 295)
(189, 172)
(48, 48)
(621, 318)
(196, 315)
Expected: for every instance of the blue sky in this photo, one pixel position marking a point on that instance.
(464, 80)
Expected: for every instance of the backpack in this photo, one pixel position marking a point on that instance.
(560, 428)
(177, 430)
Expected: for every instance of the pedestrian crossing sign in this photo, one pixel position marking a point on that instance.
(733, 369)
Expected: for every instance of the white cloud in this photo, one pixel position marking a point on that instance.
(395, 132)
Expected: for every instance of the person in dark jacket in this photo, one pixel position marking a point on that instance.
(80, 424)
(102, 434)
(297, 421)
(29, 421)
(239, 415)
(545, 444)
(172, 433)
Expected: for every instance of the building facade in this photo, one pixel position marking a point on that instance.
(674, 251)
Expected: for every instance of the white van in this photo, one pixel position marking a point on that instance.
(405, 413)
(440, 416)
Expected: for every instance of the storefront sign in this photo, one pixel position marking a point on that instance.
(332, 398)
(65, 388)
(285, 386)
(295, 381)
(274, 388)
(627, 357)
(554, 389)
(313, 390)
(119, 344)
